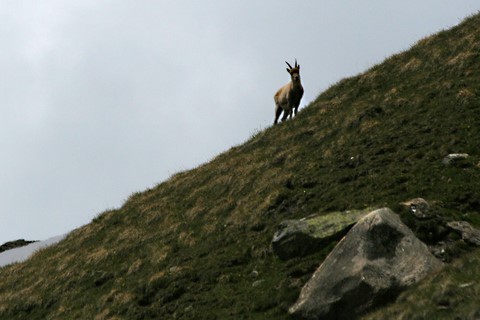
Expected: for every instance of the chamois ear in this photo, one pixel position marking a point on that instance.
(288, 70)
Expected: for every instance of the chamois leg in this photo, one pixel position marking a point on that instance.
(296, 110)
(286, 114)
(278, 112)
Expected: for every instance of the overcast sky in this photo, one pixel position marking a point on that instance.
(100, 99)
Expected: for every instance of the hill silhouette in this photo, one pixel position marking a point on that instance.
(197, 246)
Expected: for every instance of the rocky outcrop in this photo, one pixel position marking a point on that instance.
(379, 257)
(469, 234)
(435, 229)
(301, 237)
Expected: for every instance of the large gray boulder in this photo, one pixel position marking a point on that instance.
(377, 259)
(295, 238)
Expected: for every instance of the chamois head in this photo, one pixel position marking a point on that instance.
(294, 72)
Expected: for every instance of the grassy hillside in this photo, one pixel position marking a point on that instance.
(198, 245)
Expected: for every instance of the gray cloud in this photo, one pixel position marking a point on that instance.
(99, 99)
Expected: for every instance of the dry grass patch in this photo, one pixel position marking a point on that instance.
(460, 59)
(390, 95)
(412, 65)
(135, 267)
(98, 255)
(368, 124)
(369, 77)
(155, 277)
(159, 254)
(464, 95)
(209, 228)
(116, 297)
(130, 234)
(103, 315)
(187, 239)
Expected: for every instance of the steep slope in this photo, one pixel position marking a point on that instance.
(198, 245)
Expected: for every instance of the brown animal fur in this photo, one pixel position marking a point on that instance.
(287, 99)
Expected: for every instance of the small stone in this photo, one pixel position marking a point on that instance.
(466, 285)
(455, 159)
(419, 207)
(257, 283)
(439, 250)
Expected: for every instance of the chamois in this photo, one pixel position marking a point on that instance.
(287, 98)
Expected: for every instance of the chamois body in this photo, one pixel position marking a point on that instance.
(287, 99)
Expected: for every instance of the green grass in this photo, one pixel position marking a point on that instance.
(197, 246)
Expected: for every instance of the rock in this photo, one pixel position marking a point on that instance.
(378, 258)
(439, 250)
(455, 159)
(295, 238)
(447, 250)
(419, 207)
(257, 283)
(469, 233)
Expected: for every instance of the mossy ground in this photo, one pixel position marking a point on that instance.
(198, 245)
